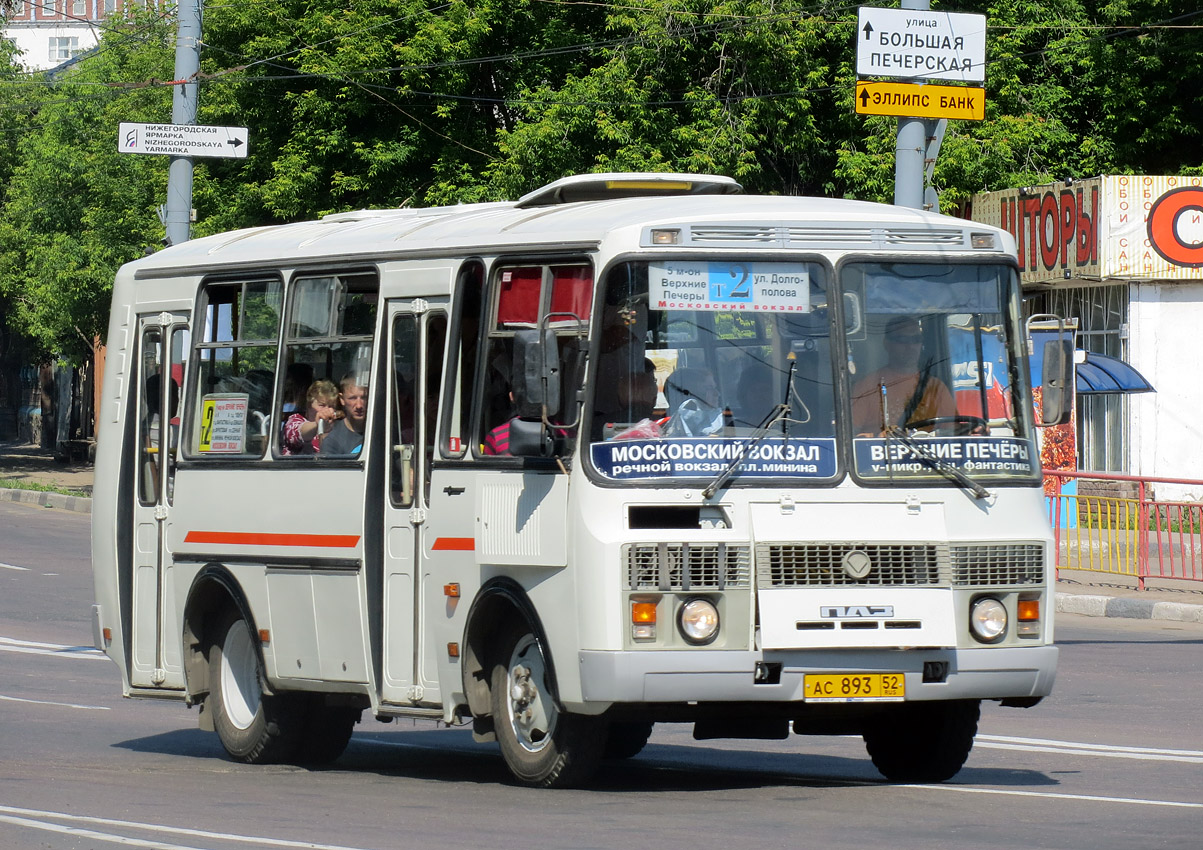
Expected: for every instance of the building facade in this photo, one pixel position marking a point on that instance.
(1124, 256)
(51, 32)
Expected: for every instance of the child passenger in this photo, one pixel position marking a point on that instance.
(304, 430)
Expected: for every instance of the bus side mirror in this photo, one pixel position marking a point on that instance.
(1056, 399)
(536, 374)
(530, 438)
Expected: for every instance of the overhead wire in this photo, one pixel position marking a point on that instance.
(241, 72)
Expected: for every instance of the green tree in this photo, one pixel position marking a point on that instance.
(1078, 88)
(380, 104)
(75, 209)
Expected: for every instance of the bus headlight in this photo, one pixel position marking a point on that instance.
(988, 619)
(698, 621)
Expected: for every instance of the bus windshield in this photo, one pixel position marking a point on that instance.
(714, 367)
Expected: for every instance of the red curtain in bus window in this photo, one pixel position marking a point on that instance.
(572, 290)
(518, 302)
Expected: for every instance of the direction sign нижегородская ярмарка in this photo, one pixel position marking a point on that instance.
(182, 140)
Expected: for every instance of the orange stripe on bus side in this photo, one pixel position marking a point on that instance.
(255, 538)
(454, 544)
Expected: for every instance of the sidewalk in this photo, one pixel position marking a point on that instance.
(30, 465)
(1078, 591)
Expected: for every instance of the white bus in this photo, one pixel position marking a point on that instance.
(636, 448)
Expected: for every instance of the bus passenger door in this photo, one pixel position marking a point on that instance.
(156, 634)
(417, 338)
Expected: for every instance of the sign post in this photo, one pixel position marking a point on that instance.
(914, 43)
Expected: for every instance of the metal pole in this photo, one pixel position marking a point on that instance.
(177, 215)
(910, 146)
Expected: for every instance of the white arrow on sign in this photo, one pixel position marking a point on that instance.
(920, 45)
(182, 140)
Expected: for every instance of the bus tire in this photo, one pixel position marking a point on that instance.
(922, 741)
(253, 728)
(543, 746)
(326, 733)
(626, 739)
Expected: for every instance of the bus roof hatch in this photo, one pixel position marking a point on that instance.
(602, 187)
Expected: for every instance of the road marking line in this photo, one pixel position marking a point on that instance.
(17, 814)
(14, 567)
(1048, 794)
(1070, 748)
(1077, 745)
(56, 649)
(48, 702)
(79, 832)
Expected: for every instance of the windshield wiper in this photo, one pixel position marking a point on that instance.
(947, 470)
(779, 413)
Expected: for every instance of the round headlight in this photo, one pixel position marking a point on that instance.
(698, 621)
(988, 619)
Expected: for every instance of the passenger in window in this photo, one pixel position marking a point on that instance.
(304, 431)
(153, 400)
(755, 395)
(346, 437)
(497, 441)
(405, 410)
(637, 395)
(694, 404)
(911, 392)
(297, 379)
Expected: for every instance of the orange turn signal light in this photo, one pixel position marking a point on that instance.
(643, 612)
(265, 636)
(1029, 609)
(451, 590)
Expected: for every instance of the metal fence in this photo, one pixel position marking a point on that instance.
(1112, 524)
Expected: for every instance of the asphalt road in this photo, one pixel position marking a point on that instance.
(1114, 759)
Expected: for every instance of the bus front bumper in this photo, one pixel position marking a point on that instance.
(672, 676)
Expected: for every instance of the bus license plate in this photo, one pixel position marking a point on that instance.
(855, 687)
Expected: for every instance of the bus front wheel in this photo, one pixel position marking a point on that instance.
(922, 741)
(253, 727)
(543, 746)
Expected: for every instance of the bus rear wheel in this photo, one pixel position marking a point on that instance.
(922, 741)
(543, 746)
(326, 733)
(253, 727)
(627, 739)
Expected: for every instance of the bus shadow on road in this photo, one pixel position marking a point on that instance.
(442, 755)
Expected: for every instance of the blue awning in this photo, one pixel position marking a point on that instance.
(1098, 374)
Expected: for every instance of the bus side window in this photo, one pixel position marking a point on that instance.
(436, 343)
(235, 355)
(527, 297)
(327, 348)
(149, 419)
(462, 360)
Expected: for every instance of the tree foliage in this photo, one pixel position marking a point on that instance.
(376, 103)
(74, 209)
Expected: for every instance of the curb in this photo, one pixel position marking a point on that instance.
(78, 504)
(1066, 603)
(1122, 606)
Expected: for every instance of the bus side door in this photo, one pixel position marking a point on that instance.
(417, 339)
(156, 635)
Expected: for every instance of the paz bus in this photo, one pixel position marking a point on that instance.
(633, 449)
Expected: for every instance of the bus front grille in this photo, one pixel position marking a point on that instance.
(834, 564)
(989, 564)
(899, 564)
(687, 566)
